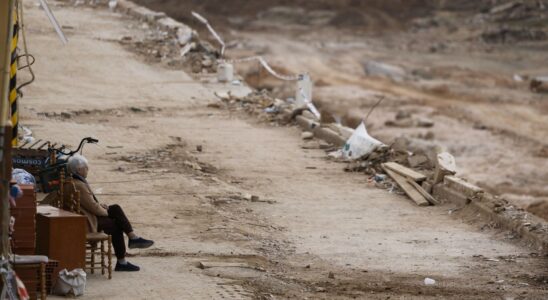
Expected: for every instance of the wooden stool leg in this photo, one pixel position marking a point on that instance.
(43, 281)
(109, 253)
(93, 258)
(103, 258)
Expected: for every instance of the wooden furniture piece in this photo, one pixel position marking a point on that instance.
(95, 242)
(61, 235)
(24, 234)
(32, 271)
(96, 246)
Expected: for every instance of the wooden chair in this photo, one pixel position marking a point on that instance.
(95, 242)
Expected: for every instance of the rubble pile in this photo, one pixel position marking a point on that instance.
(168, 41)
(260, 104)
(505, 22)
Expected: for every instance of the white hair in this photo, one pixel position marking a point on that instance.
(75, 162)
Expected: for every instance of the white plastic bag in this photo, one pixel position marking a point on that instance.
(360, 144)
(70, 283)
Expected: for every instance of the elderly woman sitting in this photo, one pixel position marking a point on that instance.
(108, 218)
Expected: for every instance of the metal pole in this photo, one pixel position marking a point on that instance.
(6, 30)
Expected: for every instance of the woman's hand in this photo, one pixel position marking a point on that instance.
(105, 206)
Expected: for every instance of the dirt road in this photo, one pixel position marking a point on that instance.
(316, 231)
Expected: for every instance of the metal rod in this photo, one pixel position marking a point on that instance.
(213, 32)
(54, 22)
(38, 141)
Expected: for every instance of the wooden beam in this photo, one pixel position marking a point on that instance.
(423, 192)
(406, 172)
(409, 190)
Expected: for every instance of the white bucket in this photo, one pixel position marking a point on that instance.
(225, 72)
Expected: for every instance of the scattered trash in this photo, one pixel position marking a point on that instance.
(360, 144)
(199, 148)
(379, 178)
(70, 283)
(271, 109)
(23, 177)
(429, 281)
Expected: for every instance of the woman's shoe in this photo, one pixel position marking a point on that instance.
(127, 267)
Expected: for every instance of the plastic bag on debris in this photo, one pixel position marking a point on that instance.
(360, 144)
(70, 283)
(23, 177)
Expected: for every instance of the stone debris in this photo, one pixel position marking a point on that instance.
(375, 68)
(405, 119)
(539, 84)
(307, 135)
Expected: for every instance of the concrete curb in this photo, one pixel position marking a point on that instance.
(159, 19)
(531, 229)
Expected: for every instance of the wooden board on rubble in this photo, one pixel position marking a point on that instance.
(409, 190)
(423, 192)
(406, 172)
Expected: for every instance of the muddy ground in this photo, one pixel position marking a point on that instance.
(314, 232)
(467, 67)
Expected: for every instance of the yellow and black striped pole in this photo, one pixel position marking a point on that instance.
(14, 113)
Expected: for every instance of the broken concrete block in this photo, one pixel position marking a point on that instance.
(306, 124)
(184, 35)
(401, 123)
(307, 135)
(425, 122)
(329, 135)
(170, 24)
(403, 114)
(124, 6)
(344, 131)
(375, 68)
(445, 194)
(445, 165)
(252, 198)
(307, 114)
(400, 144)
(144, 14)
(463, 187)
(417, 160)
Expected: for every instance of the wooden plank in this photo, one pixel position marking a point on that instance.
(423, 192)
(406, 172)
(406, 187)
